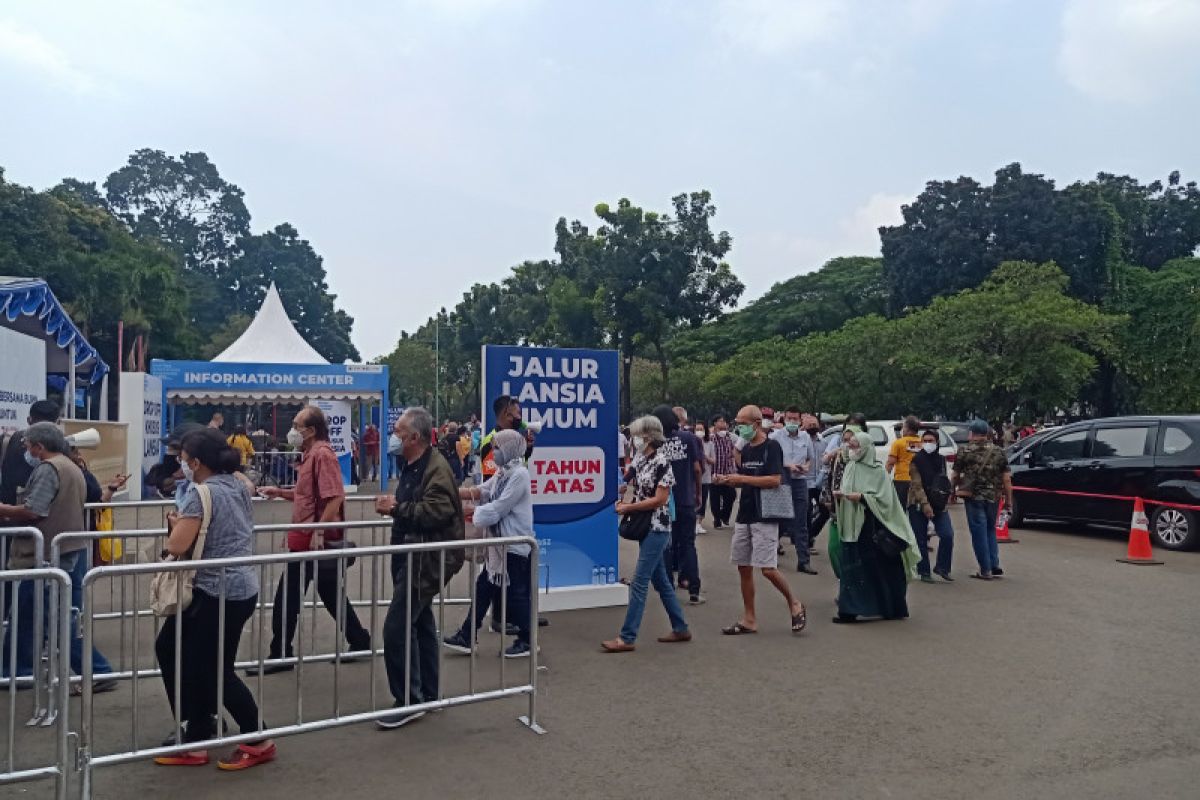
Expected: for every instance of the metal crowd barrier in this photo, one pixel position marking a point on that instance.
(20, 766)
(88, 758)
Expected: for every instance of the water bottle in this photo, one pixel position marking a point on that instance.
(596, 576)
(612, 574)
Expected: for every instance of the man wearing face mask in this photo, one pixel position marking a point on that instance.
(798, 460)
(723, 464)
(52, 501)
(683, 452)
(756, 537)
(14, 470)
(318, 496)
(508, 417)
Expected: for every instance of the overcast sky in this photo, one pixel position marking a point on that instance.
(426, 145)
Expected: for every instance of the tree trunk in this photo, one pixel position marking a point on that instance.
(665, 368)
(626, 370)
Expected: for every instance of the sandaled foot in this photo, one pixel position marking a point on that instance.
(737, 629)
(799, 619)
(246, 756)
(616, 646)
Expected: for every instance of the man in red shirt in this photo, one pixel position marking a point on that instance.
(318, 496)
(370, 441)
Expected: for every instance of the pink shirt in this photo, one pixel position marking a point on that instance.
(318, 481)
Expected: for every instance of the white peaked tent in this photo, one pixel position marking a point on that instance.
(271, 339)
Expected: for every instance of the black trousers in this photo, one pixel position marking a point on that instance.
(199, 639)
(327, 590)
(722, 498)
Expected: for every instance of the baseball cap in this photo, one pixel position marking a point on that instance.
(979, 427)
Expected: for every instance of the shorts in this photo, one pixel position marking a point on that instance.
(755, 545)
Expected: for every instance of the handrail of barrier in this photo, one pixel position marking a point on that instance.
(87, 760)
(166, 502)
(56, 685)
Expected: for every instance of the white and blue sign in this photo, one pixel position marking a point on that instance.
(570, 399)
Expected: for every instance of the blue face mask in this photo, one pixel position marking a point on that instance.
(31, 459)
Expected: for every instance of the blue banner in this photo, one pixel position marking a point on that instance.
(569, 397)
(318, 379)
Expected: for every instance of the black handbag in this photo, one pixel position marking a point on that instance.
(636, 526)
(887, 543)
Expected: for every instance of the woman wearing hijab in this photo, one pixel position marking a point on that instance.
(873, 526)
(506, 509)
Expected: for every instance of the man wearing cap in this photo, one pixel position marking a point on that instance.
(981, 475)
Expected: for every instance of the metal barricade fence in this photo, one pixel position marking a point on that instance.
(88, 756)
(43, 753)
(40, 614)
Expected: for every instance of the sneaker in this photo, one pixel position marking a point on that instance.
(700, 528)
(509, 629)
(697, 600)
(927, 579)
(458, 644)
(518, 650)
(398, 719)
(997, 572)
(943, 575)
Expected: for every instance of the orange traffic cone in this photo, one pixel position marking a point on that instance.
(1139, 537)
(1002, 526)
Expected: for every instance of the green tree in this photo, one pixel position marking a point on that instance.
(186, 204)
(653, 273)
(1161, 343)
(842, 289)
(226, 335)
(280, 255)
(95, 267)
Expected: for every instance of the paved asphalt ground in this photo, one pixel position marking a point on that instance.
(1074, 677)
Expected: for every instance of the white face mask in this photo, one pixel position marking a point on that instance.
(929, 447)
(395, 445)
(295, 438)
(188, 474)
(722, 433)
(639, 444)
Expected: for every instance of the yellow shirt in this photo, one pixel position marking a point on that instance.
(244, 446)
(903, 450)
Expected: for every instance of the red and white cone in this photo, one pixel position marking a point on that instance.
(1139, 551)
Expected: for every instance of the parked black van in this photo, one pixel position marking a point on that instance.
(1089, 471)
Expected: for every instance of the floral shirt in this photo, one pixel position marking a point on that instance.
(649, 474)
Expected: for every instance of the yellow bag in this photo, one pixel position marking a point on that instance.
(110, 549)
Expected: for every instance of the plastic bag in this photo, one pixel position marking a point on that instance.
(834, 548)
(110, 549)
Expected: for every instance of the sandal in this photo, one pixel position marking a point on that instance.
(799, 621)
(737, 629)
(192, 758)
(245, 756)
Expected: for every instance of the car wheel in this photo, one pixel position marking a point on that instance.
(1174, 528)
(1017, 516)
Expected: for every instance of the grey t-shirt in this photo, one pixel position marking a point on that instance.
(230, 534)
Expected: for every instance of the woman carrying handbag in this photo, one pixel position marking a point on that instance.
(215, 521)
(647, 521)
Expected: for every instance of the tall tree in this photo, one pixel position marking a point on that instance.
(653, 273)
(280, 255)
(185, 203)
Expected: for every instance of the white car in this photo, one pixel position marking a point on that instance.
(884, 432)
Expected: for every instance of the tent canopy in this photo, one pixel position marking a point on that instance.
(271, 338)
(29, 307)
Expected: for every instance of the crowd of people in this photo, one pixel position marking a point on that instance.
(767, 476)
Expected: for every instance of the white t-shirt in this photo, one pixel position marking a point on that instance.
(622, 445)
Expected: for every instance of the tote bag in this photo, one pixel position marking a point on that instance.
(171, 592)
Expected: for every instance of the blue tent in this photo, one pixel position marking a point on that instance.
(29, 307)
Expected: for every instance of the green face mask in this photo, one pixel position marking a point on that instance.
(792, 427)
(746, 432)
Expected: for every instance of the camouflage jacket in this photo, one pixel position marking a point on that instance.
(980, 468)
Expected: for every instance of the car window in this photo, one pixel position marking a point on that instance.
(1175, 441)
(944, 439)
(1119, 442)
(1064, 447)
(878, 435)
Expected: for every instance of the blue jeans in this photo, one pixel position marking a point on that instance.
(945, 532)
(75, 565)
(981, 519)
(651, 569)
